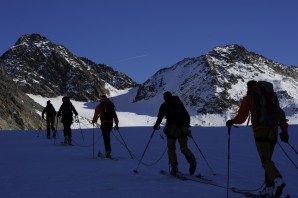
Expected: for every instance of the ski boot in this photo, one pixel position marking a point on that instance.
(108, 154)
(174, 169)
(192, 164)
(267, 191)
(279, 185)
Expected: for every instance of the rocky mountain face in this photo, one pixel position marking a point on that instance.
(17, 110)
(41, 67)
(215, 82)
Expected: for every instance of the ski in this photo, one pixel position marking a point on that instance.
(183, 176)
(51, 137)
(66, 144)
(250, 194)
(101, 155)
(178, 176)
(246, 193)
(198, 177)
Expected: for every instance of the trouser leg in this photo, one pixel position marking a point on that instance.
(106, 131)
(48, 128)
(67, 133)
(172, 151)
(265, 143)
(188, 154)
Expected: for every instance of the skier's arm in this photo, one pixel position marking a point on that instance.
(243, 111)
(96, 114)
(161, 114)
(74, 110)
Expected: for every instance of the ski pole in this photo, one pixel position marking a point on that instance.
(136, 170)
(93, 141)
(228, 177)
(125, 145)
(39, 128)
(287, 155)
(77, 118)
(57, 136)
(202, 155)
(293, 148)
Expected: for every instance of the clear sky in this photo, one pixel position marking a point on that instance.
(139, 37)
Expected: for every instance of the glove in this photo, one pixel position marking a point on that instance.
(229, 123)
(156, 127)
(284, 137)
(116, 127)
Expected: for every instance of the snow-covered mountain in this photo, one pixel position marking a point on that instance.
(210, 85)
(215, 82)
(41, 67)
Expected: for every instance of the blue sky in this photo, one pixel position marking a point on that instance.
(139, 37)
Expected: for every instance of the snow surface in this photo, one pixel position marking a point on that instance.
(33, 166)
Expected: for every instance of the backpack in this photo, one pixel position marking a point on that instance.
(266, 104)
(177, 112)
(107, 110)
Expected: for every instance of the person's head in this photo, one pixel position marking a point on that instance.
(65, 99)
(103, 98)
(48, 102)
(167, 95)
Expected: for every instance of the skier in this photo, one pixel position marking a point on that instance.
(107, 114)
(265, 140)
(66, 110)
(177, 124)
(50, 112)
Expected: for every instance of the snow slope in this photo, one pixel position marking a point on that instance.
(35, 167)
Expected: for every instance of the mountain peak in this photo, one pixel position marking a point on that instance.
(31, 38)
(231, 53)
(229, 48)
